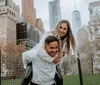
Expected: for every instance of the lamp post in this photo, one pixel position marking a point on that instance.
(79, 68)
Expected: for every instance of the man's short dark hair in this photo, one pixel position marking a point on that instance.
(50, 39)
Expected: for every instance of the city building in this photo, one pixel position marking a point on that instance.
(28, 11)
(84, 50)
(94, 33)
(9, 16)
(76, 22)
(29, 15)
(54, 13)
(94, 23)
(28, 34)
(39, 26)
(96, 63)
(82, 36)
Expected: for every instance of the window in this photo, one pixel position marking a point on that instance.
(14, 14)
(4, 10)
(7, 10)
(96, 30)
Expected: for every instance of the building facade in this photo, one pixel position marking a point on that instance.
(94, 33)
(84, 50)
(54, 13)
(82, 36)
(9, 16)
(94, 23)
(39, 26)
(27, 34)
(96, 63)
(28, 11)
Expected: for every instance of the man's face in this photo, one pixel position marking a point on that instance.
(52, 48)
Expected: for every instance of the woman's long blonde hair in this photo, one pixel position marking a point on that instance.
(69, 36)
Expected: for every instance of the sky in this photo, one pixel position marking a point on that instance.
(67, 7)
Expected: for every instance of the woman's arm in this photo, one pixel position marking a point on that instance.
(42, 54)
(58, 58)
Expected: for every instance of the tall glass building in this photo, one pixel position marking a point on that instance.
(76, 21)
(54, 13)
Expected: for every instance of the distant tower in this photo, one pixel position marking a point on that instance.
(54, 13)
(28, 11)
(82, 36)
(76, 21)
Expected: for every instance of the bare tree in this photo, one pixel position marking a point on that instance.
(14, 60)
(87, 52)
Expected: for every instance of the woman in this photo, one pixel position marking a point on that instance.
(64, 33)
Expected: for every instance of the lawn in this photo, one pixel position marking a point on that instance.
(87, 80)
(68, 80)
(11, 82)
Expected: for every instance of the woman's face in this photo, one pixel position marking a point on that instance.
(62, 30)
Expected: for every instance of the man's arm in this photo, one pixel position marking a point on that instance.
(27, 57)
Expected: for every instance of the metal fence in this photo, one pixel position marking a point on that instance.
(12, 71)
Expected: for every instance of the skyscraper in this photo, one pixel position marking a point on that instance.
(76, 21)
(54, 13)
(28, 11)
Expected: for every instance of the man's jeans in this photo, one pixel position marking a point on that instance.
(36, 84)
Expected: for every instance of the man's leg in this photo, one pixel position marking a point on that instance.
(58, 76)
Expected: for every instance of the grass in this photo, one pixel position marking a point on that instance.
(87, 80)
(11, 82)
(68, 80)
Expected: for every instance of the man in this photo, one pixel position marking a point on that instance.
(43, 71)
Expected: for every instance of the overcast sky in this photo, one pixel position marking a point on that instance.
(67, 7)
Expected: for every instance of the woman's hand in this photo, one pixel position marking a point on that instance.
(58, 58)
